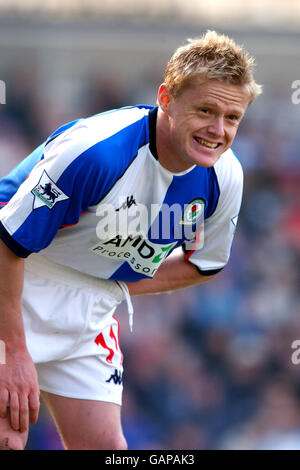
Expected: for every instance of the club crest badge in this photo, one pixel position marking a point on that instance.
(46, 193)
(193, 212)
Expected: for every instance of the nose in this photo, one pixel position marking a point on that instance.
(216, 127)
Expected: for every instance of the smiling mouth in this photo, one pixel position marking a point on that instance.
(205, 143)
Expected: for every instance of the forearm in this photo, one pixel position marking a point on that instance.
(175, 273)
(11, 286)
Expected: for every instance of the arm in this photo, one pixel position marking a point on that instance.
(174, 273)
(11, 285)
(18, 378)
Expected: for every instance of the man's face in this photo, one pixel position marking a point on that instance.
(202, 122)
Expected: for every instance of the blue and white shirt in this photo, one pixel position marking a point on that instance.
(63, 199)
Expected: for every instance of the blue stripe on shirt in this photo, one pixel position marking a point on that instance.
(85, 181)
(9, 184)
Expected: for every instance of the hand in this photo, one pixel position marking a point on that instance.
(19, 387)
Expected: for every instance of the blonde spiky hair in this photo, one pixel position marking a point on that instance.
(212, 56)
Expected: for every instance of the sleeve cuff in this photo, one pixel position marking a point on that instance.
(209, 272)
(11, 243)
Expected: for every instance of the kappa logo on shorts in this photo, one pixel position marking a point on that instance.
(46, 193)
(116, 377)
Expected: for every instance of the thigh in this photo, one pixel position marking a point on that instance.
(86, 424)
(10, 439)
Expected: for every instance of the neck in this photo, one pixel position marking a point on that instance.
(166, 153)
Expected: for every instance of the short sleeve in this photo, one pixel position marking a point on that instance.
(62, 185)
(220, 227)
(79, 165)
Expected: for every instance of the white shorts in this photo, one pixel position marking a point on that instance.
(71, 333)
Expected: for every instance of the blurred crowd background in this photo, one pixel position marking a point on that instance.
(209, 367)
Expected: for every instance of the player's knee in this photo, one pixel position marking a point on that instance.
(113, 443)
(116, 443)
(11, 443)
(101, 443)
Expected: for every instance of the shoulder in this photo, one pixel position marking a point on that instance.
(229, 175)
(229, 171)
(97, 128)
(107, 124)
(97, 138)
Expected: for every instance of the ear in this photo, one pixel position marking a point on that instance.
(163, 97)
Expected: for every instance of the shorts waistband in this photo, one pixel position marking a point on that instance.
(40, 265)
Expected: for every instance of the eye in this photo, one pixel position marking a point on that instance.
(233, 118)
(202, 109)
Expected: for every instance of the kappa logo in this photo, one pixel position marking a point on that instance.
(117, 378)
(46, 193)
(128, 203)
